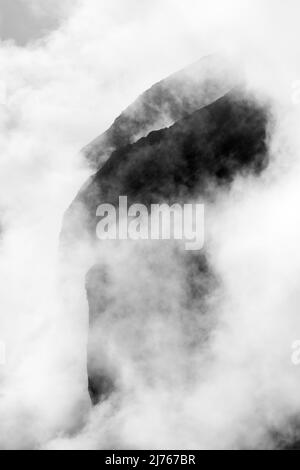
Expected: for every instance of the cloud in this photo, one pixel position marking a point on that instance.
(24, 22)
(59, 94)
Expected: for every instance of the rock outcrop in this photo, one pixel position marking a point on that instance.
(213, 137)
(162, 105)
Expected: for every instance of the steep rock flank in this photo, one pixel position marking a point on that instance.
(187, 160)
(213, 135)
(162, 105)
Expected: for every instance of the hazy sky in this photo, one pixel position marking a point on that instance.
(26, 20)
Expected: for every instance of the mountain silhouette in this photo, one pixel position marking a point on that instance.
(163, 104)
(215, 135)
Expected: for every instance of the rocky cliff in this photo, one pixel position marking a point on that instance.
(213, 137)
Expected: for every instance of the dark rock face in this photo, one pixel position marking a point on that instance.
(162, 105)
(203, 150)
(100, 381)
(210, 146)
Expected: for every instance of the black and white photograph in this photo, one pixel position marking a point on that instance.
(149, 228)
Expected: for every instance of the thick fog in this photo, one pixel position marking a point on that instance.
(240, 387)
